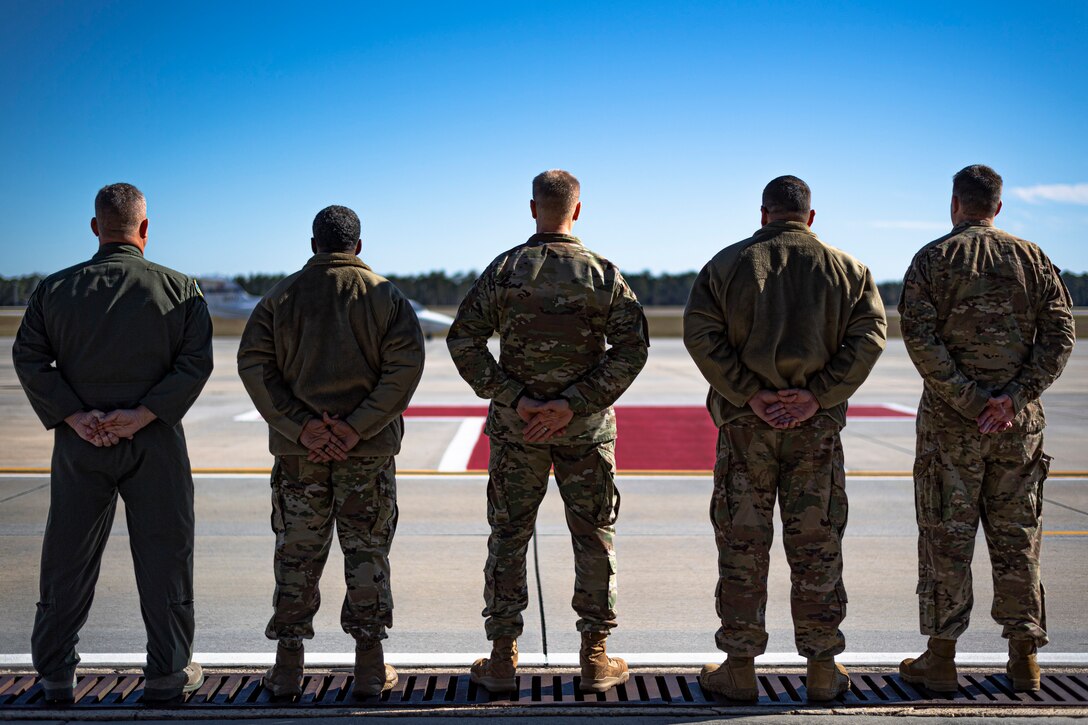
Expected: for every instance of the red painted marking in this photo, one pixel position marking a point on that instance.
(651, 437)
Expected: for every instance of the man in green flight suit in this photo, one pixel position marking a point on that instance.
(572, 338)
(988, 323)
(112, 353)
(331, 357)
(785, 329)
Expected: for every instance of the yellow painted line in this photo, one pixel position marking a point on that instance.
(1065, 533)
(473, 472)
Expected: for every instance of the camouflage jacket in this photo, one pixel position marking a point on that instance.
(116, 331)
(783, 310)
(333, 337)
(984, 313)
(554, 304)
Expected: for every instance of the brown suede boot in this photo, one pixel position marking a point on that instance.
(735, 678)
(372, 675)
(1022, 668)
(826, 680)
(599, 671)
(284, 679)
(935, 668)
(497, 673)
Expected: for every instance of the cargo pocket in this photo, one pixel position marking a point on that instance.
(497, 509)
(927, 606)
(386, 512)
(1040, 470)
(721, 508)
(609, 509)
(927, 489)
(838, 504)
(280, 473)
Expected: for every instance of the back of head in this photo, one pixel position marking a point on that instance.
(336, 229)
(787, 197)
(119, 209)
(978, 188)
(556, 194)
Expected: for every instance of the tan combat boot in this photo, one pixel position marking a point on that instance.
(735, 678)
(1022, 668)
(284, 679)
(599, 671)
(497, 673)
(372, 675)
(826, 680)
(935, 668)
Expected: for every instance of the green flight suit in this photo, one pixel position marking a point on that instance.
(569, 326)
(112, 333)
(781, 310)
(983, 314)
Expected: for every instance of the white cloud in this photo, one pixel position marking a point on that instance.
(911, 225)
(1061, 193)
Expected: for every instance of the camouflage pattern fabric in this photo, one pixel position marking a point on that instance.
(360, 496)
(962, 477)
(568, 326)
(983, 313)
(803, 467)
(516, 485)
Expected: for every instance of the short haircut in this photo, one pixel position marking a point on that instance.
(978, 188)
(555, 192)
(119, 208)
(787, 195)
(336, 229)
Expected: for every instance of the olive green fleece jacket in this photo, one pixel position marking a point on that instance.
(783, 310)
(333, 337)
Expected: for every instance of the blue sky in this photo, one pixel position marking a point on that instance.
(241, 120)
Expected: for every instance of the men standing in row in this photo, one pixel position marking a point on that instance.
(785, 329)
(331, 357)
(112, 353)
(987, 321)
(572, 338)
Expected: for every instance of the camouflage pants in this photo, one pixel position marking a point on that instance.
(804, 468)
(360, 496)
(961, 478)
(515, 488)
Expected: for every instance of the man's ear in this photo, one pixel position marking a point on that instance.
(358, 247)
(998, 210)
(811, 216)
(763, 216)
(577, 211)
(532, 207)
(313, 245)
(94, 225)
(143, 230)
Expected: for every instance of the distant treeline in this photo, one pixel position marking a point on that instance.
(447, 290)
(439, 288)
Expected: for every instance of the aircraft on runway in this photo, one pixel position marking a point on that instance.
(227, 299)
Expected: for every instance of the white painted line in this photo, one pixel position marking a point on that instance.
(555, 659)
(460, 448)
(251, 417)
(900, 408)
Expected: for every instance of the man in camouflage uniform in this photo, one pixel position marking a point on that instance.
(988, 324)
(331, 357)
(555, 305)
(112, 353)
(785, 329)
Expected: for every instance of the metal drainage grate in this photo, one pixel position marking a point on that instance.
(241, 690)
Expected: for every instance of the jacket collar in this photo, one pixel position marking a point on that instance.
(773, 229)
(117, 250)
(337, 259)
(552, 238)
(972, 223)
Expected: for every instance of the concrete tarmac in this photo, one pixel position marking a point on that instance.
(665, 544)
